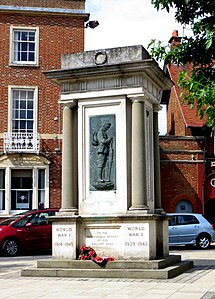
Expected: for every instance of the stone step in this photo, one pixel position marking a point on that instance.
(166, 273)
(118, 264)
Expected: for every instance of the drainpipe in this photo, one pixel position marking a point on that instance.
(203, 178)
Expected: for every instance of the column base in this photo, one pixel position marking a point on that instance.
(159, 211)
(68, 212)
(140, 208)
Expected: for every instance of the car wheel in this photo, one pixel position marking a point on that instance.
(11, 247)
(203, 241)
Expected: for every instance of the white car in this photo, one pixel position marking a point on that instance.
(190, 229)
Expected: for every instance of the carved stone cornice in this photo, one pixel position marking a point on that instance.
(26, 160)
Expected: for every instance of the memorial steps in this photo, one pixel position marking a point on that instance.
(164, 268)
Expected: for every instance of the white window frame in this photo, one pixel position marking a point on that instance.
(10, 106)
(2, 190)
(39, 190)
(24, 63)
(35, 173)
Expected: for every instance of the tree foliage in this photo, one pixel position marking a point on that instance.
(197, 85)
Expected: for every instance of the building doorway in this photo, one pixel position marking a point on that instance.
(210, 210)
(184, 206)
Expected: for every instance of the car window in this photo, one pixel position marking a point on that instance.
(187, 219)
(22, 222)
(43, 219)
(172, 221)
(40, 219)
(7, 222)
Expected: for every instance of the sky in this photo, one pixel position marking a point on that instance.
(127, 23)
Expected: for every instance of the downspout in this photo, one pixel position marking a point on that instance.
(203, 178)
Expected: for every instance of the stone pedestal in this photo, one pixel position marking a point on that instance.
(124, 237)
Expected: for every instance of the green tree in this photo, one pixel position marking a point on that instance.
(199, 50)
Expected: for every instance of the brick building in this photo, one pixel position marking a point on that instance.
(187, 155)
(34, 34)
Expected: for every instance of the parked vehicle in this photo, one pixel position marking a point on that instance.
(26, 231)
(190, 229)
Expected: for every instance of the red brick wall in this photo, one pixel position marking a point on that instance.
(181, 172)
(57, 35)
(70, 4)
(175, 121)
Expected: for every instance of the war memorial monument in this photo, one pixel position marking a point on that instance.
(110, 166)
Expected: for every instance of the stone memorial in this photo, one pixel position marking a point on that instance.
(110, 169)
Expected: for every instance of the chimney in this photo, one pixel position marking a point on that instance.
(175, 40)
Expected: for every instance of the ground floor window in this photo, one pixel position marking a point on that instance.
(23, 189)
(2, 189)
(41, 187)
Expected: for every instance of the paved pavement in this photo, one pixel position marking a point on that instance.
(196, 283)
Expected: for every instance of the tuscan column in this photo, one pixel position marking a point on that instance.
(139, 197)
(157, 178)
(69, 174)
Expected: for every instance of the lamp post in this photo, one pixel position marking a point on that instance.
(91, 24)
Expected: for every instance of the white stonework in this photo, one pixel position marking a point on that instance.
(64, 240)
(128, 239)
(111, 201)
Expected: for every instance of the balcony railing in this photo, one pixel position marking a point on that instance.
(21, 142)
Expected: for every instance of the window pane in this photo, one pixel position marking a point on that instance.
(15, 125)
(15, 94)
(15, 183)
(31, 57)
(21, 200)
(22, 104)
(24, 36)
(23, 114)
(30, 94)
(30, 126)
(16, 35)
(24, 47)
(27, 183)
(41, 198)
(30, 114)
(31, 36)
(21, 179)
(2, 200)
(30, 105)
(16, 104)
(23, 56)
(22, 125)
(2, 179)
(31, 47)
(41, 178)
(15, 113)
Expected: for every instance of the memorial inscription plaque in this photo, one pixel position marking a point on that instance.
(63, 239)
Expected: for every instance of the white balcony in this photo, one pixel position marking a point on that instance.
(21, 142)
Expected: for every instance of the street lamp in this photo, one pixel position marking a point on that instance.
(91, 24)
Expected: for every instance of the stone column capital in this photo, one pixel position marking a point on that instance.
(157, 108)
(137, 98)
(71, 104)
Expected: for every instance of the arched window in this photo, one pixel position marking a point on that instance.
(184, 206)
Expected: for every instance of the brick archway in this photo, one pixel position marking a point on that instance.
(183, 197)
